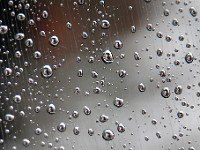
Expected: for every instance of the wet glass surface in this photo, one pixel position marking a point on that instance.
(99, 74)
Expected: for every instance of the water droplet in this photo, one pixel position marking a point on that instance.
(97, 90)
(45, 14)
(162, 73)
(108, 135)
(51, 109)
(193, 12)
(175, 22)
(189, 57)
(26, 142)
(47, 71)
(86, 110)
(178, 89)
(19, 36)
(154, 121)
(37, 55)
(76, 130)
(17, 99)
(149, 27)
(122, 73)
(38, 131)
(9, 117)
(8, 72)
(105, 24)
(75, 114)
(133, 29)
(69, 25)
(84, 35)
(141, 87)
(21, 17)
(81, 2)
(94, 74)
(118, 102)
(137, 56)
(53, 40)
(158, 134)
(180, 114)
(118, 44)
(159, 52)
(61, 127)
(3, 29)
(165, 92)
(91, 132)
(29, 42)
(166, 12)
(80, 73)
(107, 57)
(159, 34)
(103, 118)
(121, 128)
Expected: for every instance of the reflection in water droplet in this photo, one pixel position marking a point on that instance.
(107, 57)
(189, 57)
(118, 44)
(53, 40)
(91, 132)
(103, 118)
(51, 109)
(9, 117)
(8, 72)
(165, 92)
(86, 110)
(180, 114)
(29, 42)
(133, 29)
(141, 87)
(76, 130)
(121, 128)
(75, 114)
(193, 11)
(118, 102)
(122, 73)
(178, 89)
(26, 142)
(108, 135)
(3, 29)
(17, 99)
(105, 24)
(61, 127)
(47, 71)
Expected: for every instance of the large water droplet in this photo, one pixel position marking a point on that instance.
(120, 128)
(53, 40)
(189, 57)
(107, 57)
(118, 44)
(178, 89)
(61, 127)
(108, 135)
(118, 102)
(51, 109)
(47, 71)
(105, 24)
(3, 29)
(9, 117)
(141, 87)
(17, 99)
(165, 92)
